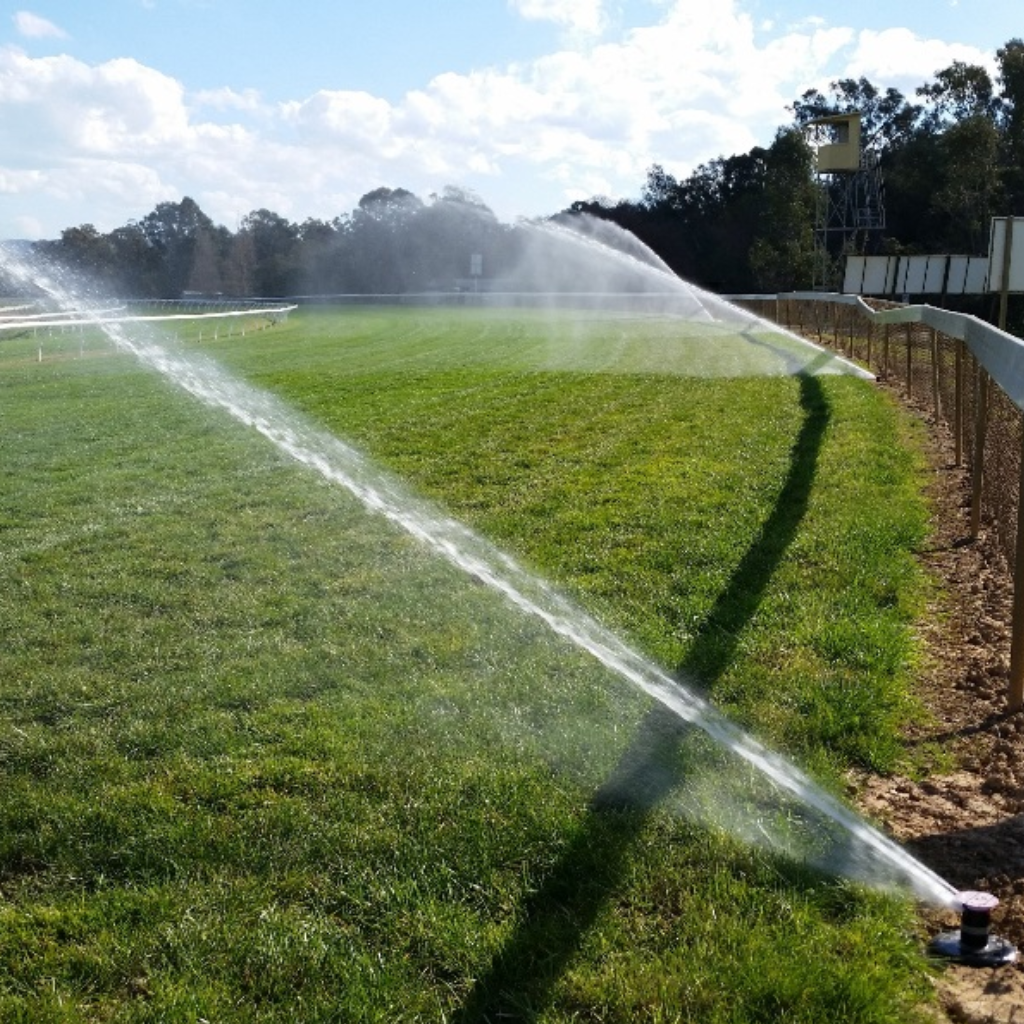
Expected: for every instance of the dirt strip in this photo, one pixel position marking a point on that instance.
(967, 823)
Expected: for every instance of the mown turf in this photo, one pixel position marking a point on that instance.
(263, 758)
(776, 514)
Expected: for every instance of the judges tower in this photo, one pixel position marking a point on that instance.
(850, 208)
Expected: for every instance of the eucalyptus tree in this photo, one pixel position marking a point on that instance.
(1010, 59)
(888, 118)
(172, 231)
(273, 250)
(959, 92)
(782, 252)
(377, 235)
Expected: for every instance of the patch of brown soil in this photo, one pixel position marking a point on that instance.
(967, 825)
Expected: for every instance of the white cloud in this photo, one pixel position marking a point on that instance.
(345, 118)
(104, 143)
(227, 99)
(32, 26)
(60, 104)
(903, 60)
(583, 16)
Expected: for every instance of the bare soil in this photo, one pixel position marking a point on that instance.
(966, 823)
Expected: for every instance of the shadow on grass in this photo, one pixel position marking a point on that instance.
(589, 870)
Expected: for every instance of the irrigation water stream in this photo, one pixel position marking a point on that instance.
(878, 860)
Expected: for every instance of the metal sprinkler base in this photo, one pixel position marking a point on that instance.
(973, 945)
(995, 953)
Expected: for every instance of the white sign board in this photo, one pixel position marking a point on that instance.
(967, 275)
(879, 275)
(853, 277)
(476, 264)
(869, 275)
(911, 275)
(997, 252)
(935, 275)
(921, 275)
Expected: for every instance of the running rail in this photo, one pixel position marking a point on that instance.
(1001, 355)
(93, 319)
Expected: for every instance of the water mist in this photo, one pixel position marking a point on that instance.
(866, 854)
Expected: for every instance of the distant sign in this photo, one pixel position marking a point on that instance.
(476, 265)
(916, 275)
(879, 273)
(997, 253)
(921, 275)
(967, 275)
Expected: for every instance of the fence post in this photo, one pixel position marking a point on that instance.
(1004, 294)
(977, 469)
(910, 359)
(1015, 696)
(936, 382)
(885, 351)
(958, 405)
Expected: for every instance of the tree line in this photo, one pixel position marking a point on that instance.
(951, 158)
(393, 242)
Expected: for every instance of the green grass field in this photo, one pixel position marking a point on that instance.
(265, 758)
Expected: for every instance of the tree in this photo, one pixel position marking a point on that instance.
(172, 229)
(1011, 117)
(377, 232)
(316, 242)
(782, 253)
(887, 118)
(969, 189)
(445, 234)
(240, 265)
(959, 92)
(274, 251)
(87, 251)
(137, 266)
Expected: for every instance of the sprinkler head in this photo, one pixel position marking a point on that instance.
(973, 945)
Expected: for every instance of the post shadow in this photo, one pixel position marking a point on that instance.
(562, 909)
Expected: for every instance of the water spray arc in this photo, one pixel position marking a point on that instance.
(338, 463)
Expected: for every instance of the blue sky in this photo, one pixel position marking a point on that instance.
(108, 108)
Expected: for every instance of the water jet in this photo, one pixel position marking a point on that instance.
(865, 852)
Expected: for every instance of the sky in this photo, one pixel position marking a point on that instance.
(302, 107)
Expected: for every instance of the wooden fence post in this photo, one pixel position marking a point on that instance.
(910, 359)
(1015, 696)
(978, 467)
(1004, 293)
(958, 405)
(936, 380)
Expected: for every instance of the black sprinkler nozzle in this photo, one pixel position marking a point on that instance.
(973, 944)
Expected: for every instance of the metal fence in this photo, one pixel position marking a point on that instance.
(967, 375)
